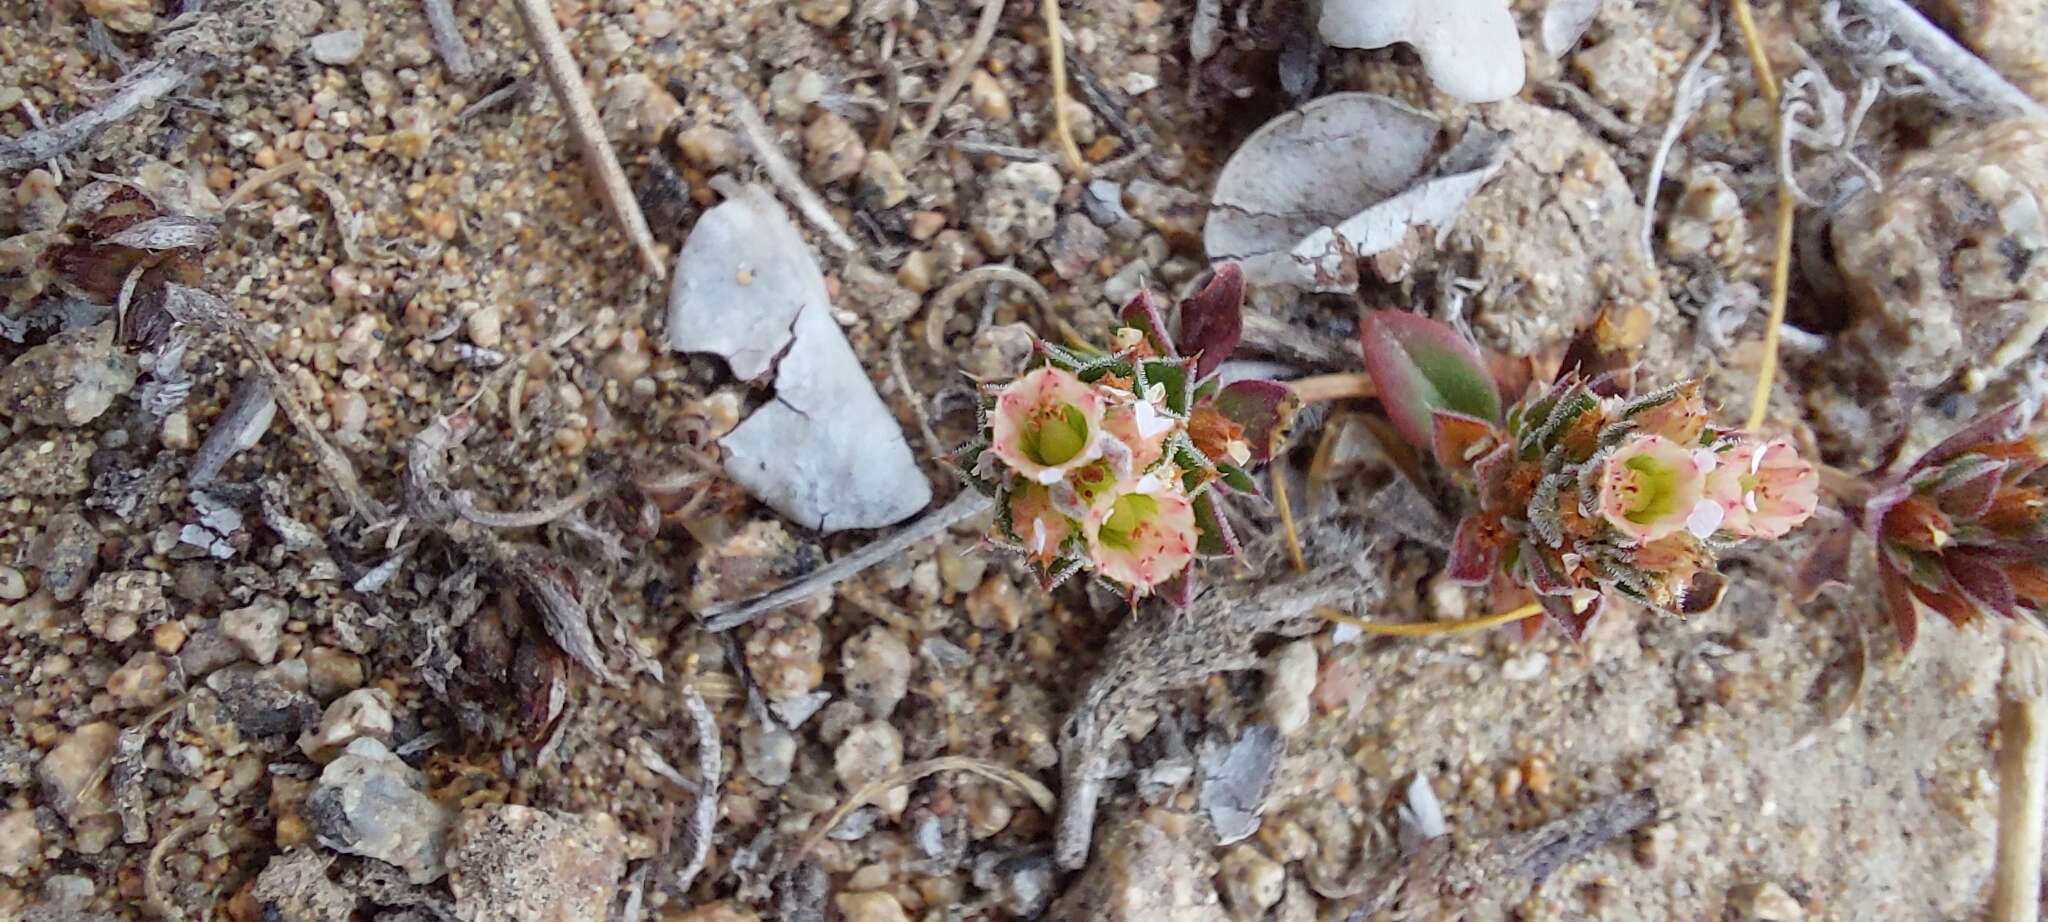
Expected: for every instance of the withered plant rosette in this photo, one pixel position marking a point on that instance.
(1582, 487)
(1962, 530)
(1117, 462)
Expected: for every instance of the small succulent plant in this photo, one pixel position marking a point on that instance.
(1963, 530)
(1582, 488)
(1117, 461)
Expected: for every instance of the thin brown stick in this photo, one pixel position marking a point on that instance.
(940, 309)
(728, 615)
(1339, 386)
(448, 40)
(1287, 530)
(911, 774)
(2022, 770)
(567, 81)
(963, 68)
(1056, 50)
(783, 173)
(139, 90)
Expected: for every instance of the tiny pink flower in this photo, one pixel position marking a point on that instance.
(1766, 488)
(1047, 423)
(1652, 487)
(1139, 426)
(1143, 535)
(1042, 528)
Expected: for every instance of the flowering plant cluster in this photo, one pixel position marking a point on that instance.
(1583, 488)
(1962, 530)
(1117, 461)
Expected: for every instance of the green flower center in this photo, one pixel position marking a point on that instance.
(1655, 486)
(1058, 436)
(1130, 513)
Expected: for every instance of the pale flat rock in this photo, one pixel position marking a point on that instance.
(1469, 47)
(826, 451)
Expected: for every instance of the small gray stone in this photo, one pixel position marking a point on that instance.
(518, 864)
(1017, 208)
(875, 666)
(369, 803)
(267, 706)
(294, 888)
(363, 713)
(67, 552)
(767, 751)
(1235, 780)
(1252, 882)
(1075, 247)
(68, 381)
(70, 774)
(1291, 678)
(258, 628)
(337, 48)
(207, 650)
(868, 753)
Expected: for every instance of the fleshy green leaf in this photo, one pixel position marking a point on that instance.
(1173, 375)
(1216, 539)
(1421, 366)
(1212, 321)
(1263, 408)
(1237, 478)
(1142, 314)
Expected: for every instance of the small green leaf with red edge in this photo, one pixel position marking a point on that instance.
(1216, 539)
(1263, 408)
(1237, 478)
(1421, 366)
(1212, 321)
(1142, 314)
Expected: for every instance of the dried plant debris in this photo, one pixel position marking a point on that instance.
(1565, 22)
(1152, 655)
(826, 452)
(1235, 779)
(1340, 179)
(1469, 47)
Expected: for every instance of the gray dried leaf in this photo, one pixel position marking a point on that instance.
(170, 232)
(1469, 47)
(237, 429)
(827, 452)
(1421, 815)
(1234, 782)
(1344, 177)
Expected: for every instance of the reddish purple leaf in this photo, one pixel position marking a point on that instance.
(1950, 603)
(1984, 584)
(1212, 321)
(1420, 366)
(1878, 506)
(1263, 408)
(1575, 624)
(1968, 494)
(2000, 426)
(1827, 563)
(1475, 553)
(1142, 314)
(1898, 604)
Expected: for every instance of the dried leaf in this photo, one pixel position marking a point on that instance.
(169, 232)
(1235, 780)
(1421, 366)
(1898, 604)
(1469, 47)
(1330, 255)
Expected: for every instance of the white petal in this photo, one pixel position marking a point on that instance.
(1148, 420)
(1050, 476)
(1705, 518)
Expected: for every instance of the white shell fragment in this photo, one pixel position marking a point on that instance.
(1469, 47)
(1565, 22)
(1344, 177)
(825, 452)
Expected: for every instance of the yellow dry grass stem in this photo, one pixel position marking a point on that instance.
(1279, 479)
(1781, 260)
(1056, 50)
(1431, 628)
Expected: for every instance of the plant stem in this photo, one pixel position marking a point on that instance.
(2022, 769)
(1432, 628)
(1286, 509)
(1781, 264)
(1056, 49)
(1339, 386)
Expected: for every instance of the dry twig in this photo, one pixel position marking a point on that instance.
(448, 40)
(1433, 628)
(1942, 60)
(1693, 87)
(574, 98)
(728, 615)
(940, 310)
(142, 88)
(2022, 770)
(783, 173)
(1056, 50)
(910, 774)
(696, 837)
(963, 68)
